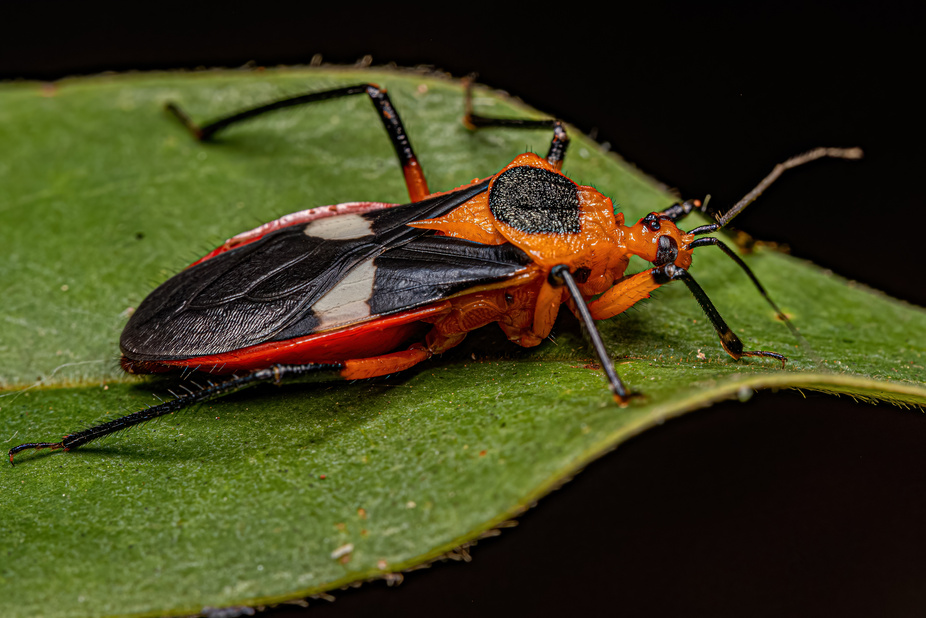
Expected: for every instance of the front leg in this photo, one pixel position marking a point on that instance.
(531, 312)
(625, 294)
(635, 288)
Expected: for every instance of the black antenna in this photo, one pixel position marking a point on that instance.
(801, 159)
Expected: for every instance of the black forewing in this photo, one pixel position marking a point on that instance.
(433, 267)
(426, 270)
(265, 290)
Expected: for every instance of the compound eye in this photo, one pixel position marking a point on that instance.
(651, 221)
(667, 252)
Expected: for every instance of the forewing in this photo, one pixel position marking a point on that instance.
(292, 282)
(417, 273)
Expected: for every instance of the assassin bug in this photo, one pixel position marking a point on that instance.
(365, 289)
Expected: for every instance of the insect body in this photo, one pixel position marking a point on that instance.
(366, 289)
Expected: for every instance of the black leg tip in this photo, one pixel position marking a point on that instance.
(34, 445)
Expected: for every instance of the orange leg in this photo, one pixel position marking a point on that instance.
(548, 301)
(629, 291)
(625, 294)
(353, 369)
(362, 368)
(467, 313)
(525, 313)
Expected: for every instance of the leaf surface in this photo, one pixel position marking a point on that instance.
(280, 492)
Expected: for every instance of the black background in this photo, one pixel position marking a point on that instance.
(783, 505)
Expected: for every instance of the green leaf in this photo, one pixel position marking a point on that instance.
(281, 492)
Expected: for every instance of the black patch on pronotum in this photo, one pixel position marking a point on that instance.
(535, 201)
